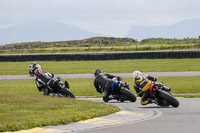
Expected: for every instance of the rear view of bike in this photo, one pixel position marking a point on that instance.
(122, 92)
(162, 96)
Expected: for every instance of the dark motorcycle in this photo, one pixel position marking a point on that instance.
(160, 95)
(59, 88)
(121, 92)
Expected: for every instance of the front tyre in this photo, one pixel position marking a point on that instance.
(169, 98)
(130, 96)
(67, 93)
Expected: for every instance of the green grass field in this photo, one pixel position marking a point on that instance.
(114, 66)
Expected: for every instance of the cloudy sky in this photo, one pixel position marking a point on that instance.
(108, 17)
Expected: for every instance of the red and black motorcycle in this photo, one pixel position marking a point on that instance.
(160, 95)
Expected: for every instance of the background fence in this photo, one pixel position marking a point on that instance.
(103, 56)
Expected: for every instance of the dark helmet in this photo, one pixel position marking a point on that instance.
(97, 72)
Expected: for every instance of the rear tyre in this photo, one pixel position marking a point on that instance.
(169, 98)
(130, 96)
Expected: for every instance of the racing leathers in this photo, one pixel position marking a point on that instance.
(44, 81)
(103, 83)
(141, 86)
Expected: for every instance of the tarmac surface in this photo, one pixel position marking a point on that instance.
(90, 75)
(184, 119)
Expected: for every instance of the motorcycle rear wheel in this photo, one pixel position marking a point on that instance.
(130, 96)
(169, 98)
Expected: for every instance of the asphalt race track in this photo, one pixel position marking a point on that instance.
(184, 119)
(90, 75)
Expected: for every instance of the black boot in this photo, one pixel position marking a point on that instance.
(66, 84)
(46, 91)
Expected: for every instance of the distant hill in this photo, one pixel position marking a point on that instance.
(43, 30)
(92, 41)
(105, 40)
(187, 28)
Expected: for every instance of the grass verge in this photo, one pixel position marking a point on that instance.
(114, 66)
(22, 107)
(24, 112)
(188, 96)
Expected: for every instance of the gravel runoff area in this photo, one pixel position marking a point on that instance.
(90, 75)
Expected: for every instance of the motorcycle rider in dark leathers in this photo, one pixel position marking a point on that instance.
(46, 81)
(103, 83)
(141, 86)
(43, 80)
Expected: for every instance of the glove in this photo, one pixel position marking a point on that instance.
(127, 85)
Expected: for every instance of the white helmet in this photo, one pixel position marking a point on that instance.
(135, 74)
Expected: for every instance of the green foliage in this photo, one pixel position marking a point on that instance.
(187, 96)
(84, 45)
(170, 41)
(107, 45)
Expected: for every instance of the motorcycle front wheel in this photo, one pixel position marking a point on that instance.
(169, 98)
(67, 93)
